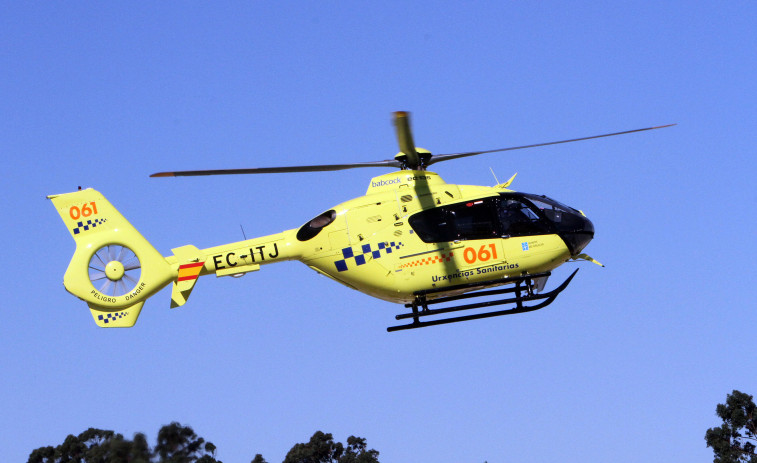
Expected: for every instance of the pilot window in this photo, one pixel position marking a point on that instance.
(517, 218)
(551, 208)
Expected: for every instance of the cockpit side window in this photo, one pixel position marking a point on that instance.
(517, 218)
(473, 220)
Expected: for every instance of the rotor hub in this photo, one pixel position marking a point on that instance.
(114, 270)
(418, 160)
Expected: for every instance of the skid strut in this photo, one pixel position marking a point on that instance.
(522, 291)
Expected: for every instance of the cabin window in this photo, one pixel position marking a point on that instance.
(312, 228)
(473, 220)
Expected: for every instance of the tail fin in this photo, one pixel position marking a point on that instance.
(114, 268)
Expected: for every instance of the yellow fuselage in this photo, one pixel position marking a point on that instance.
(369, 244)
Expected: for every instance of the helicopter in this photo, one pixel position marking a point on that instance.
(412, 239)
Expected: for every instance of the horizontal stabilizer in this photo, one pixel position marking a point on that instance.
(588, 258)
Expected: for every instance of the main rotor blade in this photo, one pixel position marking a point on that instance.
(407, 146)
(280, 170)
(405, 138)
(446, 157)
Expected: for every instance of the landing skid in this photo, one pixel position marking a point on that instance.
(523, 291)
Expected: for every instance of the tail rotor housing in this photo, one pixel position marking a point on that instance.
(114, 268)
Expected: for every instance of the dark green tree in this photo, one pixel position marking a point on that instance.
(176, 444)
(322, 449)
(357, 452)
(180, 444)
(734, 441)
(42, 455)
(91, 446)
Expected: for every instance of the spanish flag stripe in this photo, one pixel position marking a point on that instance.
(190, 271)
(192, 265)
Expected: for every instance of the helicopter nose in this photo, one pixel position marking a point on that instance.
(577, 232)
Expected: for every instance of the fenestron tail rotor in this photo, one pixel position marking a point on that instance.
(410, 156)
(114, 270)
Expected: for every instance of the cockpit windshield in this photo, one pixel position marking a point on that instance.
(572, 226)
(552, 209)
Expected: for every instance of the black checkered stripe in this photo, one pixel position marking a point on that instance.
(112, 316)
(85, 226)
(358, 257)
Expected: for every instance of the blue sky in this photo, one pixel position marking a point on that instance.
(628, 364)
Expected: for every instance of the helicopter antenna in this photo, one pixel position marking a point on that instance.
(496, 180)
(243, 234)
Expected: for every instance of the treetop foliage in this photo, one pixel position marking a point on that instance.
(322, 449)
(176, 444)
(734, 441)
(179, 444)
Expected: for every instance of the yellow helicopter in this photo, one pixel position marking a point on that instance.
(411, 239)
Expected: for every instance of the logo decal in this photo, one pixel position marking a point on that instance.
(524, 245)
(385, 182)
(358, 258)
(81, 226)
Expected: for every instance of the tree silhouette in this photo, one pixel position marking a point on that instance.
(734, 441)
(176, 444)
(322, 449)
(180, 444)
